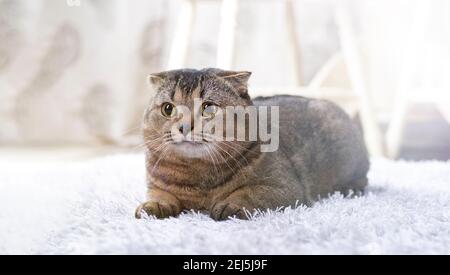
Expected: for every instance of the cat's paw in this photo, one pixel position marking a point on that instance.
(224, 210)
(160, 210)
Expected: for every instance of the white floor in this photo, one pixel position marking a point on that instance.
(87, 207)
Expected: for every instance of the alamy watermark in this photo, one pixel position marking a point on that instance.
(232, 123)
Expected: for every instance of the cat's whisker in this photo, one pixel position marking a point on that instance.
(214, 149)
(240, 166)
(229, 146)
(153, 141)
(224, 159)
(234, 149)
(154, 135)
(212, 159)
(159, 148)
(161, 157)
(128, 131)
(162, 145)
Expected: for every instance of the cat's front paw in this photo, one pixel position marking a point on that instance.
(224, 210)
(160, 210)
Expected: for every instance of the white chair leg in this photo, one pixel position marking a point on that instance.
(372, 132)
(183, 35)
(227, 34)
(294, 42)
(319, 79)
(394, 134)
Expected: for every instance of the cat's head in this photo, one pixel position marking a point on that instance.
(185, 102)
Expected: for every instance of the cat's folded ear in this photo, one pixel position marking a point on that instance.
(239, 80)
(157, 80)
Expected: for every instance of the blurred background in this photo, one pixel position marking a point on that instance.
(73, 72)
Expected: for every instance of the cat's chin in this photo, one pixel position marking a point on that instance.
(190, 149)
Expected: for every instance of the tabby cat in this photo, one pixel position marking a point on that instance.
(320, 150)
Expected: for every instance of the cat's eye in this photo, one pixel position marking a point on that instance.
(209, 109)
(168, 109)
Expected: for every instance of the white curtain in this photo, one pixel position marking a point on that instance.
(406, 44)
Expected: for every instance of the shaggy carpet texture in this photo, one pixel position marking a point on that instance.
(88, 208)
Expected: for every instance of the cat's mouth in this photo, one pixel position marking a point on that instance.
(189, 143)
(188, 140)
(189, 149)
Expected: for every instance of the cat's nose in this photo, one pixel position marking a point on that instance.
(184, 129)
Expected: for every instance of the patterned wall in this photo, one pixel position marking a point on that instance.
(73, 73)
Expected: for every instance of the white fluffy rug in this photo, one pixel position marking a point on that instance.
(87, 208)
